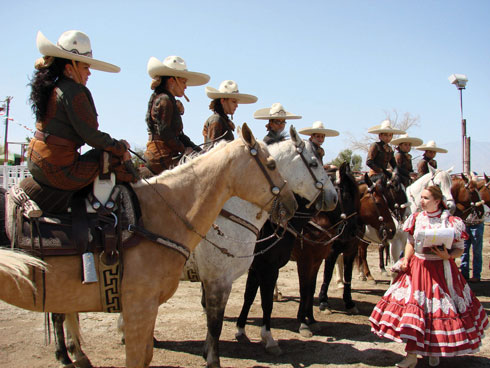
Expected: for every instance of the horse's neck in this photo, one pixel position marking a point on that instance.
(182, 204)
(247, 211)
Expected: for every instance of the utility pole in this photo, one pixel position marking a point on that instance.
(5, 146)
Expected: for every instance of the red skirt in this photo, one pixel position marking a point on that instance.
(432, 309)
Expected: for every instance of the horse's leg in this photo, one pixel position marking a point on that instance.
(277, 294)
(363, 264)
(327, 278)
(139, 314)
(74, 343)
(381, 252)
(61, 352)
(268, 280)
(350, 306)
(307, 272)
(251, 288)
(339, 268)
(217, 295)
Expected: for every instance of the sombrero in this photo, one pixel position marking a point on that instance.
(317, 127)
(385, 127)
(431, 146)
(73, 45)
(404, 138)
(175, 66)
(276, 111)
(229, 89)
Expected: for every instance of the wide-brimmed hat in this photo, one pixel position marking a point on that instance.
(73, 45)
(431, 146)
(276, 111)
(175, 66)
(404, 138)
(317, 127)
(384, 127)
(229, 89)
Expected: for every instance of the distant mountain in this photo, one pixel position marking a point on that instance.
(480, 157)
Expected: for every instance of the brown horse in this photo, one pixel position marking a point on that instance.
(484, 189)
(384, 227)
(468, 199)
(179, 204)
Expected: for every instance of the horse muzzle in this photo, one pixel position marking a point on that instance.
(284, 206)
(327, 201)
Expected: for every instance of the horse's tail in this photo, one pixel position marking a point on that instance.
(73, 329)
(16, 265)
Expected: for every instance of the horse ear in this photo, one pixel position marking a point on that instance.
(431, 169)
(464, 178)
(294, 135)
(247, 136)
(486, 177)
(450, 170)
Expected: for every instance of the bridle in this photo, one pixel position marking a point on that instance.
(399, 209)
(382, 231)
(473, 208)
(300, 147)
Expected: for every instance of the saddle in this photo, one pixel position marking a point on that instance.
(49, 222)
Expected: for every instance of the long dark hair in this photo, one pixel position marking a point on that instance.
(42, 84)
(217, 107)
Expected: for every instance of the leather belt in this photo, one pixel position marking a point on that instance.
(52, 139)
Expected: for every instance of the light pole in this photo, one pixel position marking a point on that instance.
(5, 146)
(460, 80)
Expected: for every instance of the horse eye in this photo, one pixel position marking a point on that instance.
(271, 165)
(314, 164)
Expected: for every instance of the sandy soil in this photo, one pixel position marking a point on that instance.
(343, 341)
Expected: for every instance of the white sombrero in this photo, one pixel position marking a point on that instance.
(276, 111)
(431, 146)
(229, 89)
(73, 45)
(317, 127)
(404, 138)
(385, 127)
(175, 66)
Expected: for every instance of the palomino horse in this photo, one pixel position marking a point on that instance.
(235, 233)
(187, 199)
(373, 212)
(326, 236)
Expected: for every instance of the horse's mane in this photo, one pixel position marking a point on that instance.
(190, 161)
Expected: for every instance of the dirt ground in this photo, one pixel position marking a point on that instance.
(343, 341)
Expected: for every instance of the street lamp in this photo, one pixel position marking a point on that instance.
(460, 80)
(5, 146)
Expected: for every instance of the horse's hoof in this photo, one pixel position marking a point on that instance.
(352, 311)
(242, 338)
(340, 285)
(371, 282)
(325, 308)
(362, 278)
(213, 365)
(278, 297)
(274, 350)
(384, 273)
(83, 362)
(304, 330)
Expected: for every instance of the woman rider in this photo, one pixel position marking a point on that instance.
(403, 158)
(224, 102)
(428, 158)
(276, 116)
(166, 138)
(67, 118)
(317, 134)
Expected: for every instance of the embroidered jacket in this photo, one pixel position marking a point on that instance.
(218, 126)
(379, 156)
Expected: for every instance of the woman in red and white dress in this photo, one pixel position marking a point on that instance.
(430, 306)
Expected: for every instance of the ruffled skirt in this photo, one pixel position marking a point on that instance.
(432, 309)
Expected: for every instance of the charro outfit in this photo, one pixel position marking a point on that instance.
(319, 151)
(422, 167)
(404, 165)
(379, 156)
(273, 113)
(70, 122)
(218, 126)
(430, 306)
(166, 139)
(318, 128)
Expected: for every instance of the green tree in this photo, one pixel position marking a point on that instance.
(355, 161)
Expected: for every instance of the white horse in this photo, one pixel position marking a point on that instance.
(236, 235)
(442, 179)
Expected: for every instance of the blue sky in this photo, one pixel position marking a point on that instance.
(346, 63)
